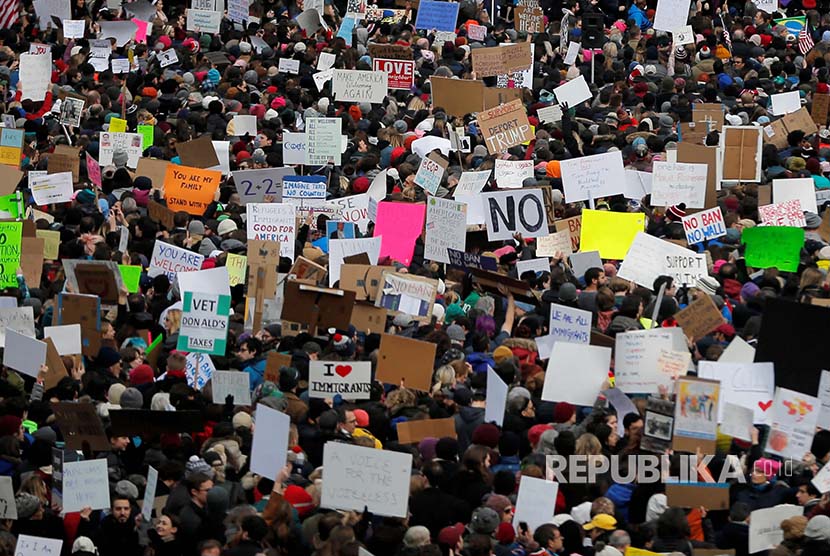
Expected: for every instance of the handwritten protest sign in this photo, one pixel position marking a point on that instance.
(793, 423)
(359, 86)
(787, 213)
(203, 21)
(488, 62)
(699, 318)
(28, 545)
(85, 485)
(573, 226)
(592, 177)
(231, 383)
(52, 188)
(703, 226)
(504, 126)
(272, 222)
(676, 182)
(773, 246)
(323, 138)
(746, 384)
(10, 250)
(446, 227)
(510, 174)
(352, 380)
(671, 15)
(198, 370)
(569, 324)
(359, 477)
(765, 532)
(509, 212)
(636, 355)
(8, 508)
(471, 183)
(430, 172)
(529, 20)
(437, 16)
(170, 260)
(190, 189)
(650, 257)
(610, 233)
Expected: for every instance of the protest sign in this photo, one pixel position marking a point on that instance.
(471, 183)
(270, 443)
(28, 545)
(573, 226)
(696, 414)
(204, 325)
(254, 185)
(293, 147)
(24, 353)
(352, 380)
(741, 153)
(784, 103)
(788, 213)
(748, 385)
(386, 52)
(802, 189)
(738, 351)
(550, 245)
(231, 383)
(592, 177)
(401, 73)
(703, 226)
(496, 398)
(304, 191)
(198, 370)
(650, 257)
(149, 494)
(515, 211)
(8, 508)
(561, 384)
(289, 65)
(359, 86)
(793, 421)
(399, 225)
(675, 182)
(637, 184)
(437, 16)
(582, 261)
(52, 188)
(272, 222)
(446, 226)
(203, 21)
(765, 532)
(535, 502)
(737, 421)
(358, 478)
(821, 105)
(430, 172)
(11, 149)
(636, 355)
(532, 265)
(466, 260)
(671, 15)
(550, 114)
(822, 479)
(488, 62)
(170, 260)
(476, 32)
(323, 140)
(339, 249)
(572, 93)
(412, 432)
(35, 71)
(569, 324)
(10, 250)
(458, 97)
(510, 174)
(403, 359)
(407, 294)
(699, 318)
(190, 189)
(237, 264)
(85, 485)
(504, 126)
(528, 20)
(610, 233)
(773, 246)
(823, 395)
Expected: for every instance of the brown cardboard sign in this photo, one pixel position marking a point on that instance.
(132, 422)
(359, 258)
(699, 318)
(412, 432)
(711, 114)
(368, 318)
(458, 97)
(407, 360)
(821, 104)
(495, 96)
(65, 159)
(54, 362)
(490, 281)
(547, 197)
(712, 496)
(31, 260)
(407, 294)
(504, 126)
(9, 179)
(153, 168)
(741, 153)
(263, 259)
(198, 153)
(713, 551)
(80, 423)
(273, 363)
(765, 196)
(574, 227)
(305, 269)
(701, 154)
(692, 132)
(317, 306)
(160, 214)
(86, 311)
(390, 51)
(529, 20)
(364, 280)
(497, 60)
(99, 281)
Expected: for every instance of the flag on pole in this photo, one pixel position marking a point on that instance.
(805, 41)
(9, 12)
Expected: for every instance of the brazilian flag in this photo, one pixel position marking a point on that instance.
(793, 24)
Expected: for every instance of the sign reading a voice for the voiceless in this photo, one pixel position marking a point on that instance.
(190, 189)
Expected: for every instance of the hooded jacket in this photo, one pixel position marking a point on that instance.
(466, 421)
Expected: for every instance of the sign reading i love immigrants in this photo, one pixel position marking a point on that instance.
(352, 379)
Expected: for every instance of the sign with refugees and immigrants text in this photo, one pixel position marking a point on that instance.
(204, 327)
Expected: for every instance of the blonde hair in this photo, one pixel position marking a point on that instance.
(175, 317)
(588, 445)
(443, 377)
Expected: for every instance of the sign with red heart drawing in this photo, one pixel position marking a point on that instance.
(351, 379)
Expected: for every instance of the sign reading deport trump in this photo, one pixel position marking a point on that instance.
(351, 379)
(273, 222)
(359, 86)
(504, 126)
(204, 323)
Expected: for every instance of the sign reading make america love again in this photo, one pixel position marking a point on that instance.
(351, 379)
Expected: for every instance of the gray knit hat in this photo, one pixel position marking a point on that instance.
(27, 505)
(131, 398)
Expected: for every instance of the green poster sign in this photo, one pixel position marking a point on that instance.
(204, 326)
(11, 234)
(773, 246)
(131, 274)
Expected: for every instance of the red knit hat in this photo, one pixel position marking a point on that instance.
(676, 212)
(299, 499)
(535, 433)
(355, 113)
(361, 185)
(505, 533)
(143, 374)
(563, 412)
(486, 434)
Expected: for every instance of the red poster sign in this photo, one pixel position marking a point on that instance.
(401, 72)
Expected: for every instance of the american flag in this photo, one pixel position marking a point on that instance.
(727, 37)
(805, 41)
(9, 12)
